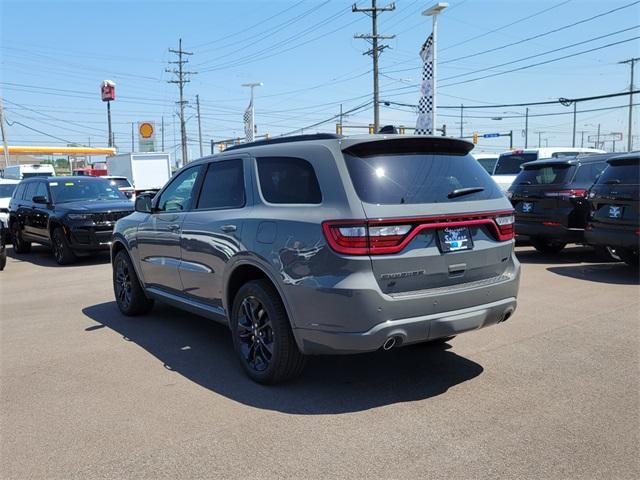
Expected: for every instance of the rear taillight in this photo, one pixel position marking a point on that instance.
(573, 193)
(378, 237)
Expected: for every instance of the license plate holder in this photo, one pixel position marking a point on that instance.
(455, 239)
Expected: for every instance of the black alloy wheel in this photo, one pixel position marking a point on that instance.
(122, 284)
(61, 250)
(130, 296)
(19, 245)
(255, 334)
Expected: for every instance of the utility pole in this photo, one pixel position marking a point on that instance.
(375, 50)
(575, 104)
(132, 144)
(581, 138)
(181, 79)
(598, 141)
(162, 129)
(461, 120)
(631, 62)
(526, 128)
(5, 143)
(540, 139)
(199, 125)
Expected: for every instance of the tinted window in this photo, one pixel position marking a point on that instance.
(509, 163)
(419, 178)
(35, 174)
(6, 189)
(564, 154)
(288, 180)
(119, 182)
(83, 188)
(621, 173)
(546, 175)
(19, 192)
(488, 164)
(223, 185)
(41, 190)
(588, 173)
(179, 194)
(30, 191)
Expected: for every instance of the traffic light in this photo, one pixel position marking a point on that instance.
(444, 130)
(475, 138)
(338, 129)
(401, 130)
(372, 129)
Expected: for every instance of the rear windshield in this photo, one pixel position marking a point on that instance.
(36, 174)
(419, 178)
(621, 174)
(6, 189)
(488, 164)
(544, 175)
(509, 163)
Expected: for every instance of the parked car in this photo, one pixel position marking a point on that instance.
(550, 200)
(122, 184)
(509, 163)
(73, 215)
(615, 208)
(487, 160)
(18, 172)
(322, 244)
(6, 190)
(3, 250)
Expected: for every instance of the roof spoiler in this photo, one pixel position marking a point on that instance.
(414, 144)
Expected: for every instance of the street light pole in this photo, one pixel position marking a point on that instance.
(433, 12)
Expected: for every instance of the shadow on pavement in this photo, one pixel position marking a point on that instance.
(202, 351)
(569, 255)
(42, 256)
(613, 273)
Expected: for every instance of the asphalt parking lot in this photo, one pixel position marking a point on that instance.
(88, 393)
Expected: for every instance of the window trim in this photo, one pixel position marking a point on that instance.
(196, 186)
(201, 186)
(259, 185)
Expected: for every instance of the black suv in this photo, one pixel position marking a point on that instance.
(550, 200)
(615, 210)
(73, 215)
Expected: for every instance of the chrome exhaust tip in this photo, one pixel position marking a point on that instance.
(389, 343)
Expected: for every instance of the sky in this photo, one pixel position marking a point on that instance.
(55, 54)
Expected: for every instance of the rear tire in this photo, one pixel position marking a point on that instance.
(547, 246)
(629, 257)
(61, 249)
(262, 336)
(130, 296)
(19, 245)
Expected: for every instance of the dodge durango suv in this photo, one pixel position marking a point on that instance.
(322, 244)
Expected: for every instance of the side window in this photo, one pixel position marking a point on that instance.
(179, 194)
(41, 190)
(18, 194)
(288, 180)
(223, 185)
(30, 191)
(588, 173)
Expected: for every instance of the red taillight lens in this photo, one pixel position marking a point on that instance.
(378, 237)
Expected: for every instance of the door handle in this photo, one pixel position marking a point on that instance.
(228, 228)
(174, 228)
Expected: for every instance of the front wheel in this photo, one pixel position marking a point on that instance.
(130, 296)
(262, 336)
(544, 245)
(61, 249)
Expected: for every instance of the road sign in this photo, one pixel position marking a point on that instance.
(606, 137)
(490, 135)
(147, 137)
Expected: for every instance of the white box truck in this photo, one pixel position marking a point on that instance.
(145, 171)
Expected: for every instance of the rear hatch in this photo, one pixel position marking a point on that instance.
(431, 214)
(508, 167)
(616, 195)
(540, 193)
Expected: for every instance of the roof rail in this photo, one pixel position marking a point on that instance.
(291, 139)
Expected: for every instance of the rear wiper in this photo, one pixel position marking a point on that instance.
(464, 191)
(613, 181)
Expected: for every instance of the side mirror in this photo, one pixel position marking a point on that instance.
(40, 199)
(143, 204)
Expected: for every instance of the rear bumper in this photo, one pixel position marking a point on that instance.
(408, 330)
(555, 232)
(613, 237)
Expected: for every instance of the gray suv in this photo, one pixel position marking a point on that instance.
(322, 244)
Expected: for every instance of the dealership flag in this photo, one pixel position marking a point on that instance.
(248, 122)
(424, 125)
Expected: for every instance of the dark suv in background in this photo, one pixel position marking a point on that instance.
(550, 200)
(615, 208)
(323, 244)
(72, 215)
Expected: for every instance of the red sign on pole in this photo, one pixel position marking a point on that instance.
(108, 90)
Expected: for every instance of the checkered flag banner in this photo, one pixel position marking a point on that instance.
(424, 125)
(248, 122)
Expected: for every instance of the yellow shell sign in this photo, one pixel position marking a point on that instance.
(146, 130)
